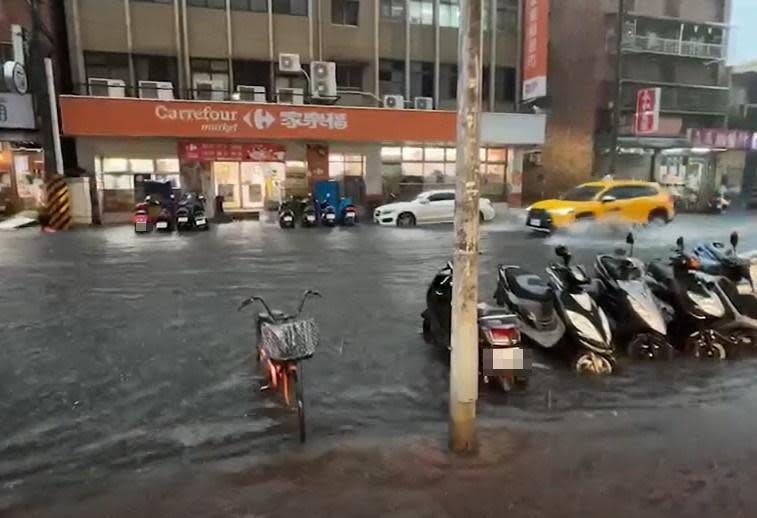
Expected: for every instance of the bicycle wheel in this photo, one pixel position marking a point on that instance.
(299, 392)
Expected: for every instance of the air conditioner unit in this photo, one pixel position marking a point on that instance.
(289, 63)
(323, 79)
(423, 103)
(106, 87)
(396, 102)
(254, 94)
(290, 96)
(156, 90)
(209, 91)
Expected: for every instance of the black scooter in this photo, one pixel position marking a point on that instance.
(560, 314)
(328, 213)
(190, 213)
(502, 359)
(697, 308)
(309, 217)
(636, 316)
(286, 214)
(731, 278)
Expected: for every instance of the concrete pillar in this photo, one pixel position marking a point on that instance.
(515, 177)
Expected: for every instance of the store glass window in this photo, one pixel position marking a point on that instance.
(412, 153)
(391, 154)
(343, 164)
(167, 165)
(115, 165)
(140, 165)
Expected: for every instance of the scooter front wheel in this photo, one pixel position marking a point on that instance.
(589, 362)
(647, 348)
(707, 347)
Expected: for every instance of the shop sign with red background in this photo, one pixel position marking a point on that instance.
(535, 48)
(190, 151)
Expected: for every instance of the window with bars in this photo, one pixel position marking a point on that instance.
(449, 13)
(350, 75)
(391, 77)
(421, 79)
(422, 12)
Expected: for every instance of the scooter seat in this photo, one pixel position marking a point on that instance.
(527, 285)
(620, 268)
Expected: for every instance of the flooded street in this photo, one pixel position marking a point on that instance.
(124, 359)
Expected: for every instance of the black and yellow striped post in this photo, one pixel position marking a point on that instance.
(58, 203)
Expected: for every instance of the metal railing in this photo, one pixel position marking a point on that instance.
(684, 100)
(696, 49)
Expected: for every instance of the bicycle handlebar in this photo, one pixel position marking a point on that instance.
(305, 297)
(308, 293)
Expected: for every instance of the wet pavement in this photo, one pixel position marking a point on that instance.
(123, 359)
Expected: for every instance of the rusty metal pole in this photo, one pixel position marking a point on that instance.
(464, 357)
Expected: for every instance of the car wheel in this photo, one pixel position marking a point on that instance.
(481, 217)
(658, 217)
(406, 219)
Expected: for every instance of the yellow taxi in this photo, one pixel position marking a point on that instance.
(633, 201)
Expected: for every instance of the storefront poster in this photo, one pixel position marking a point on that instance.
(230, 152)
(535, 48)
(16, 111)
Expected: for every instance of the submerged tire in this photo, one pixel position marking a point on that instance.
(706, 349)
(588, 362)
(406, 219)
(645, 348)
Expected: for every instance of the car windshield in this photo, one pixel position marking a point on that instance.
(581, 193)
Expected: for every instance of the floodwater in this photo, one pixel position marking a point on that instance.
(124, 356)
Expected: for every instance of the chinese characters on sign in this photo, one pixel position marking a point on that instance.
(230, 152)
(720, 138)
(296, 119)
(647, 117)
(535, 41)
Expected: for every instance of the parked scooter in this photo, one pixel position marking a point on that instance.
(502, 359)
(731, 278)
(328, 213)
(636, 317)
(347, 212)
(719, 204)
(166, 221)
(309, 216)
(697, 308)
(560, 315)
(143, 221)
(286, 214)
(190, 213)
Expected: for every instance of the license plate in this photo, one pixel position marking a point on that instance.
(744, 288)
(140, 226)
(200, 221)
(505, 359)
(533, 222)
(161, 224)
(287, 219)
(311, 219)
(330, 217)
(183, 220)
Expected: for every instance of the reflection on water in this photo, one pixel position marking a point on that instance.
(120, 351)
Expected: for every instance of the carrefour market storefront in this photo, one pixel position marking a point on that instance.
(255, 154)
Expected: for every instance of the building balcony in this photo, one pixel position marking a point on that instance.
(673, 47)
(682, 100)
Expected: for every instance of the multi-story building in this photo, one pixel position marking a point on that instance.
(188, 60)
(24, 117)
(678, 46)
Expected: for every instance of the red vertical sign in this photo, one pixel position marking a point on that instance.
(647, 118)
(535, 48)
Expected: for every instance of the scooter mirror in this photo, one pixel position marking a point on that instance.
(734, 239)
(562, 252)
(629, 239)
(679, 243)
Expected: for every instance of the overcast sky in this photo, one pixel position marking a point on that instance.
(744, 32)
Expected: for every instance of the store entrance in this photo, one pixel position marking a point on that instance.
(247, 185)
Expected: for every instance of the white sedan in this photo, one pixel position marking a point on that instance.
(427, 207)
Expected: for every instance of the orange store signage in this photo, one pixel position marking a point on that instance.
(535, 48)
(121, 117)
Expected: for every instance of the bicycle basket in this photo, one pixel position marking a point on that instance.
(290, 341)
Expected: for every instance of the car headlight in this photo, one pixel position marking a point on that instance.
(384, 212)
(584, 327)
(562, 212)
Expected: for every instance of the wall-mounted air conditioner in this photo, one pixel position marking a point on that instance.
(423, 103)
(290, 96)
(323, 79)
(289, 63)
(253, 94)
(156, 90)
(101, 87)
(209, 91)
(396, 102)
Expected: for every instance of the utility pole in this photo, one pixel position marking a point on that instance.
(464, 357)
(618, 87)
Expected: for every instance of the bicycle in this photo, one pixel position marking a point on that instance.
(284, 340)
